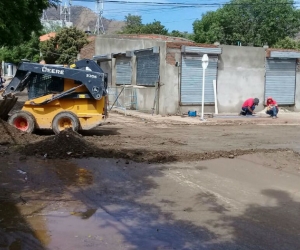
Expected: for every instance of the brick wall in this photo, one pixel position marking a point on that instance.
(88, 51)
(170, 58)
(178, 45)
(154, 37)
(174, 48)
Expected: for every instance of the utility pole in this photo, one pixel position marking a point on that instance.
(99, 28)
(44, 16)
(65, 12)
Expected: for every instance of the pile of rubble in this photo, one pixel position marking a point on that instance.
(9, 135)
(67, 144)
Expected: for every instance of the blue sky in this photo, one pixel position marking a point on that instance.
(173, 18)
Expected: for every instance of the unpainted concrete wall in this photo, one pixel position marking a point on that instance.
(169, 90)
(145, 96)
(106, 67)
(241, 75)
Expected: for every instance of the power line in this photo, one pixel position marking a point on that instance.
(184, 3)
(177, 5)
(151, 7)
(170, 6)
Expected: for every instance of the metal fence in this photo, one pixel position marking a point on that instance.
(123, 97)
(137, 98)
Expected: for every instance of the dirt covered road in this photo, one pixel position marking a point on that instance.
(139, 184)
(132, 133)
(146, 141)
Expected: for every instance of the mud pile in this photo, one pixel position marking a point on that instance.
(70, 144)
(67, 144)
(9, 135)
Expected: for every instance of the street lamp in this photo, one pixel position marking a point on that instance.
(204, 66)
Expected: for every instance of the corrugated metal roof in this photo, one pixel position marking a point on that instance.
(153, 49)
(285, 54)
(102, 58)
(118, 54)
(201, 50)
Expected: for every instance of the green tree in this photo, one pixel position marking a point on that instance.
(134, 25)
(255, 22)
(20, 18)
(154, 28)
(287, 43)
(64, 47)
(28, 50)
(210, 29)
(176, 33)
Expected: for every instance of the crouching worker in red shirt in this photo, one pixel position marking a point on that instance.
(272, 107)
(249, 106)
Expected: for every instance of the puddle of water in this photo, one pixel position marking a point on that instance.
(16, 233)
(108, 217)
(114, 205)
(85, 215)
(21, 224)
(97, 229)
(71, 174)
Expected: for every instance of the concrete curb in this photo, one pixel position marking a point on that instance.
(285, 119)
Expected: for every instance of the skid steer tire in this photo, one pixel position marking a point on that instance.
(65, 120)
(23, 121)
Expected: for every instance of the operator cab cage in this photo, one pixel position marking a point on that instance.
(40, 85)
(41, 80)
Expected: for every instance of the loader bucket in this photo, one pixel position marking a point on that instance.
(6, 106)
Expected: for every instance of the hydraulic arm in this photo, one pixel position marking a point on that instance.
(86, 72)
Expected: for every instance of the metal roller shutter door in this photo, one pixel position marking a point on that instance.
(147, 68)
(123, 71)
(191, 80)
(280, 80)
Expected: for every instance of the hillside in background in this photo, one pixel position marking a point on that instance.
(84, 18)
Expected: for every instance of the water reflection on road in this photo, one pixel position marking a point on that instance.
(118, 204)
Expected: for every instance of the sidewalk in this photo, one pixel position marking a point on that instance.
(284, 118)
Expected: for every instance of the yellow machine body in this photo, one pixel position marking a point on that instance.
(89, 111)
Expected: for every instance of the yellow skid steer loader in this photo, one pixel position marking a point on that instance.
(58, 97)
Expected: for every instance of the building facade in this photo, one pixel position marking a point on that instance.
(164, 75)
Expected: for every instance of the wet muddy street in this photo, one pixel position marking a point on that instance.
(249, 202)
(137, 184)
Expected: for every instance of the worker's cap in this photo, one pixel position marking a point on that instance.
(256, 101)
